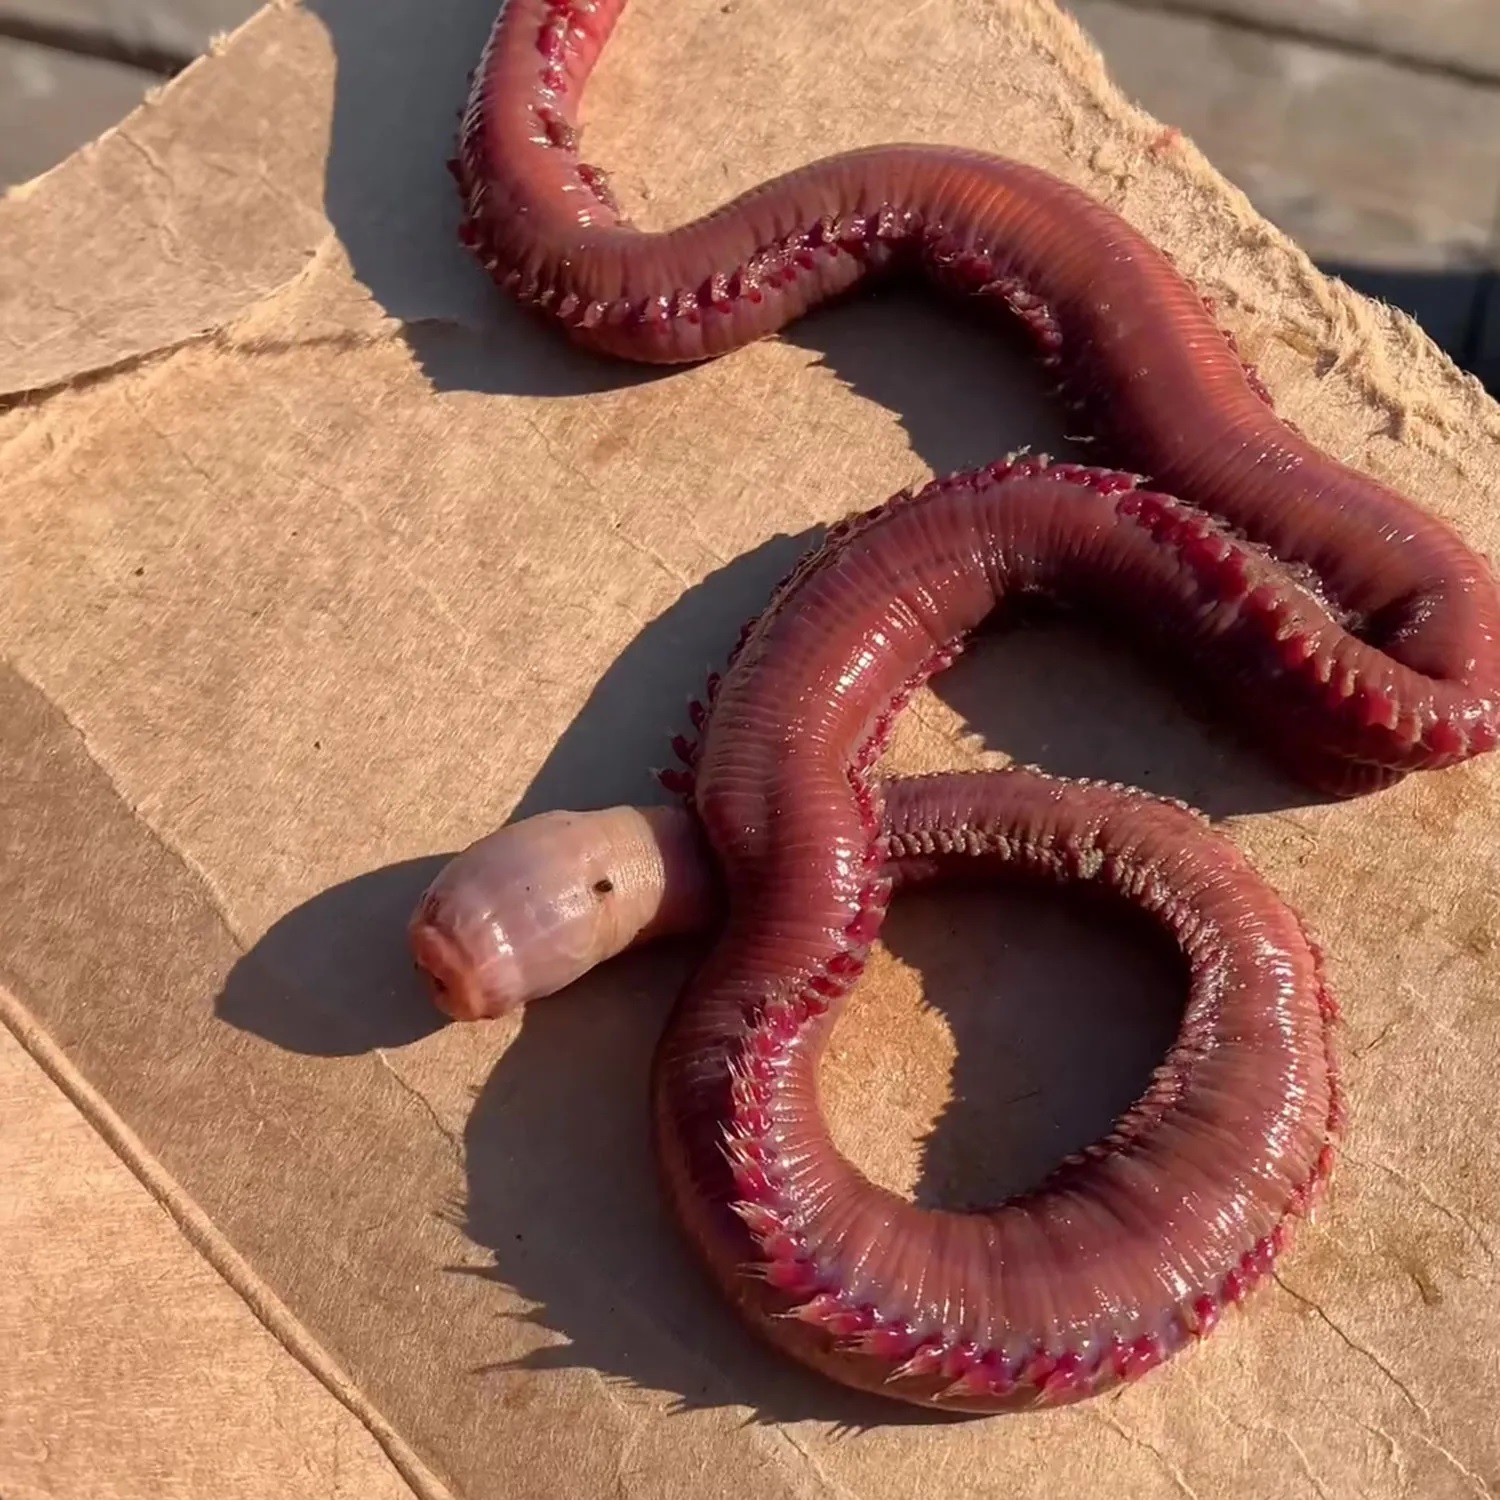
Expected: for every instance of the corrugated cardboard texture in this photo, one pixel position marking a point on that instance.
(319, 560)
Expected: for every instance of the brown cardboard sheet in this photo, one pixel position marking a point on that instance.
(317, 560)
(131, 1368)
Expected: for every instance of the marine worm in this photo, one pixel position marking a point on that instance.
(1349, 634)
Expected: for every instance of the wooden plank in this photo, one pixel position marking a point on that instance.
(1461, 35)
(51, 103)
(174, 28)
(54, 100)
(1390, 176)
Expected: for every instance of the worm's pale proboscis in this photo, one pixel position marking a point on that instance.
(533, 906)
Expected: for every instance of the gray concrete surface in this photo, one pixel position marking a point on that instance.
(1367, 129)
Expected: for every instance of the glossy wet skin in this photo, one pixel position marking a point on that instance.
(1058, 1294)
(528, 909)
(1350, 635)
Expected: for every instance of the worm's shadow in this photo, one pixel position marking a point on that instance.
(1079, 705)
(1058, 1010)
(403, 71)
(1047, 1055)
(402, 80)
(333, 977)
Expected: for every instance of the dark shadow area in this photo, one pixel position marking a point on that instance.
(1076, 699)
(1048, 1055)
(99, 36)
(574, 1084)
(333, 977)
(967, 390)
(1061, 1003)
(606, 755)
(401, 84)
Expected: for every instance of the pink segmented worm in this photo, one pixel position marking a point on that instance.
(1350, 634)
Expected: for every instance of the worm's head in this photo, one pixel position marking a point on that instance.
(535, 905)
(469, 961)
